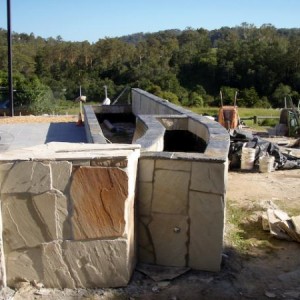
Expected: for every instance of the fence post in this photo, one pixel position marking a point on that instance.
(255, 119)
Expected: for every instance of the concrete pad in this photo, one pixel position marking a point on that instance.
(15, 136)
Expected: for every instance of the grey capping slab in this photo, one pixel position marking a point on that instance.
(93, 130)
(212, 132)
(113, 109)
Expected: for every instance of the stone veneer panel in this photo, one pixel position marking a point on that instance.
(52, 209)
(69, 264)
(144, 198)
(98, 263)
(45, 190)
(170, 193)
(4, 169)
(208, 177)
(61, 172)
(146, 252)
(117, 162)
(28, 177)
(206, 213)
(98, 196)
(22, 226)
(56, 271)
(146, 169)
(25, 265)
(170, 237)
(176, 165)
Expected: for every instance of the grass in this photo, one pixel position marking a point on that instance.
(291, 208)
(245, 113)
(69, 107)
(243, 232)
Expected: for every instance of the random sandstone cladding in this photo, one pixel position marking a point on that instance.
(68, 210)
(181, 212)
(66, 224)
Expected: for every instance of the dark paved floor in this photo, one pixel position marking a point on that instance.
(14, 136)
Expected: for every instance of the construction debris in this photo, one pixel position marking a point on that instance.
(240, 140)
(281, 225)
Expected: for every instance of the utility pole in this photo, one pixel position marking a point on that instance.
(9, 56)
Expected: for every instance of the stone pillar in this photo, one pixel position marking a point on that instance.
(181, 211)
(69, 222)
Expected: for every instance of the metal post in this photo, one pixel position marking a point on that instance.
(9, 55)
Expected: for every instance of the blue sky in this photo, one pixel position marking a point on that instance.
(79, 20)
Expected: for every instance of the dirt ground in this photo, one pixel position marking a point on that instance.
(255, 264)
(38, 119)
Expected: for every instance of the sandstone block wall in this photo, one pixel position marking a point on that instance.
(181, 196)
(181, 212)
(68, 216)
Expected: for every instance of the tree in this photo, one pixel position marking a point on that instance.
(249, 97)
(279, 94)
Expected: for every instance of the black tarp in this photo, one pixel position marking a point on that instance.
(240, 139)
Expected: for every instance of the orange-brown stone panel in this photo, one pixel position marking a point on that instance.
(98, 196)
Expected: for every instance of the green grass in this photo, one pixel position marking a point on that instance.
(244, 233)
(69, 107)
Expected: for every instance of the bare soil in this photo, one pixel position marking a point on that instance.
(38, 119)
(255, 264)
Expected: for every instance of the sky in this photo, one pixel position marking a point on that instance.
(91, 20)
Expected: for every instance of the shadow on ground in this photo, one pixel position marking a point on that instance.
(66, 132)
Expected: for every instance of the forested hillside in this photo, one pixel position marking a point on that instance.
(188, 67)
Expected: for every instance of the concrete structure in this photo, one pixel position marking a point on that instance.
(68, 209)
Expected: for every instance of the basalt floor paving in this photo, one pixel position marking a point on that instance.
(15, 136)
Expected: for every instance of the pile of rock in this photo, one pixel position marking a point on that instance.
(281, 225)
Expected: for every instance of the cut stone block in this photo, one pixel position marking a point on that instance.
(208, 177)
(98, 263)
(22, 226)
(146, 169)
(281, 215)
(28, 177)
(144, 198)
(98, 196)
(169, 234)
(170, 192)
(288, 227)
(275, 229)
(206, 213)
(61, 172)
